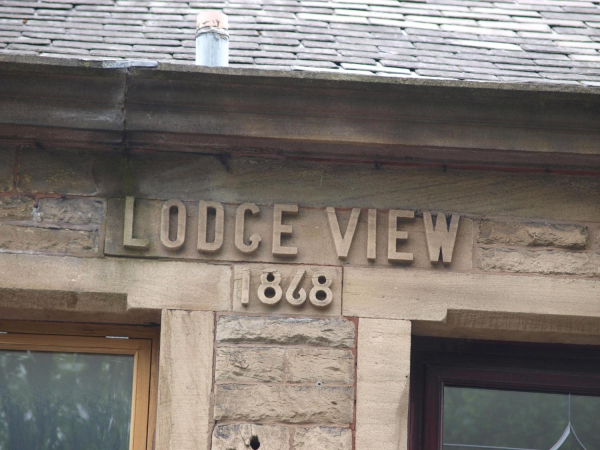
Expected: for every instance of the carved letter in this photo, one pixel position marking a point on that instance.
(372, 235)
(440, 239)
(279, 228)
(129, 241)
(342, 244)
(215, 246)
(240, 217)
(394, 235)
(165, 225)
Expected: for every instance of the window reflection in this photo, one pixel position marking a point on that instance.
(65, 401)
(487, 418)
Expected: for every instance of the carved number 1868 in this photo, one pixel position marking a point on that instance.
(270, 291)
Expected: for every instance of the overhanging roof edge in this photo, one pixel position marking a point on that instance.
(190, 108)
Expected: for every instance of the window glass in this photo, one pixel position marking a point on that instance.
(65, 401)
(476, 418)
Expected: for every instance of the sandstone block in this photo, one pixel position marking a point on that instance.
(542, 262)
(382, 384)
(81, 211)
(16, 208)
(323, 438)
(7, 161)
(311, 235)
(533, 235)
(306, 365)
(239, 436)
(283, 306)
(269, 180)
(146, 284)
(285, 331)
(70, 171)
(287, 404)
(184, 383)
(249, 364)
(423, 295)
(34, 239)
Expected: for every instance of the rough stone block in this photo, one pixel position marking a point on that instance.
(72, 210)
(285, 331)
(16, 208)
(34, 239)
(306, 365)
(249, 364)
(239, 436)
(7, 158)
(70, 172)
(287, 404)
(542, 262)
(323, 438)
(533, 235)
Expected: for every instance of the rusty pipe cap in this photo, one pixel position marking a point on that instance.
(212, 19)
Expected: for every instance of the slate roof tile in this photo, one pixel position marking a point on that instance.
(540, 41)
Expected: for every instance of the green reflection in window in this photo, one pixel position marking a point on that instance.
(488, 418)
(65, 401)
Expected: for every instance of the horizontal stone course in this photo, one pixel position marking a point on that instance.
(7, 161)
(287, 404)
(249, 364)
(238, 436)
(323, 438)
(48, 240)
(544, 262)
(533, 235)
(285, 331)
(320, 365)
(16, 208)
(165, 176)
(72, 210)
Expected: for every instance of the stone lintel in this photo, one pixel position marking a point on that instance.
(425, 295)
(147, 284)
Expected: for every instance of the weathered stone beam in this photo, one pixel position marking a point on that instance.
(223, 110)
(147, 284)
(425, 295)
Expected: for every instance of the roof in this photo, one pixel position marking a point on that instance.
(539, 41)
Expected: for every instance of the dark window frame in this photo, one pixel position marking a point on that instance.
(439, 362)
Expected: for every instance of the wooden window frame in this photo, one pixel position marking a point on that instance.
(141, 342)
(435, 363)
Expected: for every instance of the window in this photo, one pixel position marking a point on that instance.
(476, 395)
(87, 387)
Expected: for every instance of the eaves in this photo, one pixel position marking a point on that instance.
(74, 103)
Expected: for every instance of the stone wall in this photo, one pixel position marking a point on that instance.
(287, 383)
(286, 378)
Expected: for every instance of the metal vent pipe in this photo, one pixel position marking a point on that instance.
(212, 39)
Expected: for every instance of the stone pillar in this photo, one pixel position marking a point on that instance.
(382, 384)
(185, 380)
